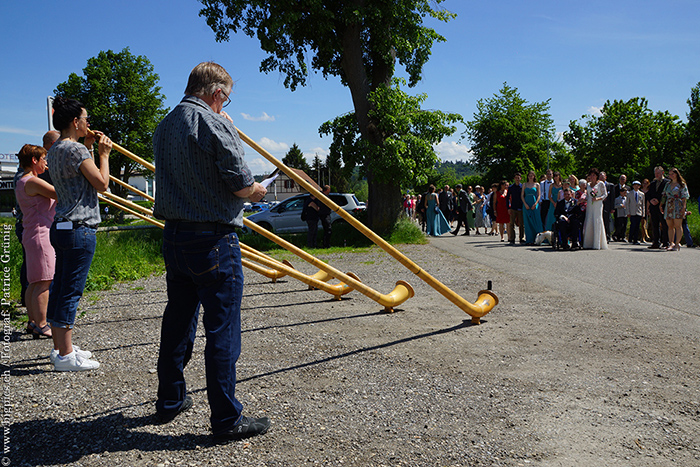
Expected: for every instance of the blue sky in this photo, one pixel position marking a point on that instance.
(578, 54)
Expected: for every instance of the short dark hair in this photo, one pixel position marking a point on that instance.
(28, 153)
(65, 111)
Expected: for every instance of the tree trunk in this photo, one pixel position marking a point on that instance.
(383, 206)
(384, 199)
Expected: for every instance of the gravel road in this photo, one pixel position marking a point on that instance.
(590, 359)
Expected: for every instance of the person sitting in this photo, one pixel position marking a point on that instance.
(569, 217)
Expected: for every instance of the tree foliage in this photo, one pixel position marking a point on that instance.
(121, 95)
(510, 135)
(295, 159)
(358, 41)
(408, 152)
(690, 163)
(626, 138)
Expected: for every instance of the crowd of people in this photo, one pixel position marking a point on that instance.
(203, 181)
(582, 213)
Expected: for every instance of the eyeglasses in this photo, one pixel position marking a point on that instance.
(87, 118)
(228, 99)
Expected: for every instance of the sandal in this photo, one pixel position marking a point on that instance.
(30, 327)
(41, 331)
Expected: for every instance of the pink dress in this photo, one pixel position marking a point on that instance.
(38, 212)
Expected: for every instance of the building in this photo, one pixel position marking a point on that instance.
(284, 187)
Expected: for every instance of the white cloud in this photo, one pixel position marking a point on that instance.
(273, 146)
(595, 111)
(260, 166)
(263, 118)
(453, 151)
(18, 131)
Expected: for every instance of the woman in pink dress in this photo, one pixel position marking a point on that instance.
(36, 198)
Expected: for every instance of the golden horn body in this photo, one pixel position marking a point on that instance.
(402, 292)
(486, 300)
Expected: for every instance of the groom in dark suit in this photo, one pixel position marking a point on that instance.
(569, 217)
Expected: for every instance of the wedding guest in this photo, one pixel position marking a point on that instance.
(530, 197)
(657, 224)
(501, 208)
(479, 214)
(676, 196)
(644, 224)
(635, 211)
(515, 210)
(594, 236)
(620, 216)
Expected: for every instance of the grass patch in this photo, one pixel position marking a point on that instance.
(125, 255)
(406, 231)
(694, 221)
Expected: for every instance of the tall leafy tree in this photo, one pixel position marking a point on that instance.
(627, 137)
(690, 164)
(295, 159)
(509, 135)
(121, 93)
(358, 41)
(407, 154)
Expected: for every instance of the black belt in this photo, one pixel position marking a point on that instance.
(201, 227)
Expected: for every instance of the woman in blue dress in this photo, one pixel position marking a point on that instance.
(437, 224)
(554, 190)
(531, 196)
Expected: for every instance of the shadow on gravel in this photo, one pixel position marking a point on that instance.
(465, 324)
(53, 442)
(317, 321)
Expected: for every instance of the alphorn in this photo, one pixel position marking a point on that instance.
(402, 292)
(486, 299)
(279, 269)
(126, 206)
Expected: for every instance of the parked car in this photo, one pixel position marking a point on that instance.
(255, 207)
(286, 216)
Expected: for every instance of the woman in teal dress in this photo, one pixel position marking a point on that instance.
(530, 196)
(437, 224)
(554, 190)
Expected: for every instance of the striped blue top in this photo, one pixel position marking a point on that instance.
(199, 165)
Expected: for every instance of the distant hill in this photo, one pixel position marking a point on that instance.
(461, 168)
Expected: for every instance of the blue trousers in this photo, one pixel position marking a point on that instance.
(201, 267)
(74, 251)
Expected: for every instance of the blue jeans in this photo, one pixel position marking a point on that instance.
(74, 251)
(201, 267)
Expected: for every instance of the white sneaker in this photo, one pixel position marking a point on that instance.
(74, 362)
(83, 353)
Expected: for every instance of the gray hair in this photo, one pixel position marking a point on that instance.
(206, 78)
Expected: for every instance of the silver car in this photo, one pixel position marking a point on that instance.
(286, 216)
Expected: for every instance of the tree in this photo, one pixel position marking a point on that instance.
(408, 152)
(690, 165)
(358, 41)
(510, 135)
(295, 159)
(123, 100)
(626, 138)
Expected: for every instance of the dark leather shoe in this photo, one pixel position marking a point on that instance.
(246, 428)
(170, 416)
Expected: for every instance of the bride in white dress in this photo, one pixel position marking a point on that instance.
(594, 230)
